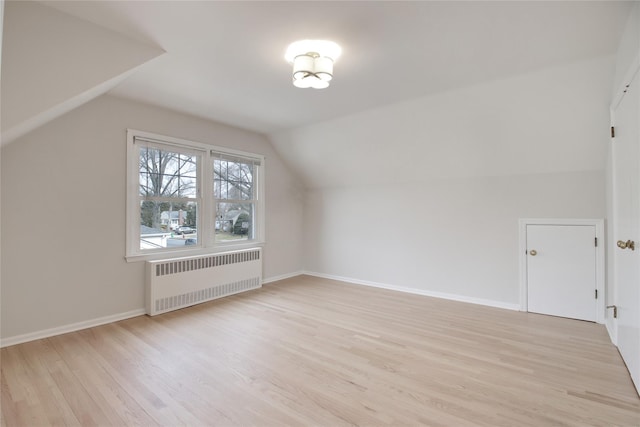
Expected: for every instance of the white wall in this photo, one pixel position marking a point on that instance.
(454, 236)
(63, 213)
(426, 194)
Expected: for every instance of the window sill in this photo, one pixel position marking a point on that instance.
(193, 252)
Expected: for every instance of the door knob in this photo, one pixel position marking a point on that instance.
(615, 311)
(533, 252)
(629, 244)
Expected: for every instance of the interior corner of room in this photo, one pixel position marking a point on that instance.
(422, 169)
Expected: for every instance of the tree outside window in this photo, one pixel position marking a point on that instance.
(183, 193)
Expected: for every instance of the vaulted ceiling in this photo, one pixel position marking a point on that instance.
(224, 60)
(423, 90)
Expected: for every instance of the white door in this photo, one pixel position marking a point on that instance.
(626, 226)
(561, 270)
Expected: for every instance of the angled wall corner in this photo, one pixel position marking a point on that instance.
(53, 62)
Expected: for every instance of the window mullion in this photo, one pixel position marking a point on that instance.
(169, 199)
(206, 193)
(237, 201)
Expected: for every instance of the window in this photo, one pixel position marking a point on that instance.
(187, 196)
(234, 194)
(168, 195)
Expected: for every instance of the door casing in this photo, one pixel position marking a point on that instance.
(624, 278)
(600, 272)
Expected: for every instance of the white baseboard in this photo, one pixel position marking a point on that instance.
(611, 330)
(282, 277)
(19, 339)
(443, 295)
(32, 336)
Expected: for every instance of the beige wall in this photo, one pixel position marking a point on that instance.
(63, 213)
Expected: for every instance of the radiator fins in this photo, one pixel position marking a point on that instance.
(180, 266)
(172, 284)
(195, 297)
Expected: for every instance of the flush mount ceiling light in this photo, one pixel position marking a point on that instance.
(312, 62)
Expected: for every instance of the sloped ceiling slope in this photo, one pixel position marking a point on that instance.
(53, 62)
(551, 118)
(225, 59)
(547, 121)
(423, 89)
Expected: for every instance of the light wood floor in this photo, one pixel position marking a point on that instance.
(308, 351)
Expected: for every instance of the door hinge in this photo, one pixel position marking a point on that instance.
(596, 294)
(596, 241)
(613, 132)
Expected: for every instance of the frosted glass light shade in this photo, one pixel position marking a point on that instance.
(302, 83)
(322, 47)
(317, 83)
(323, 68)
(302, 66)
(312, 62)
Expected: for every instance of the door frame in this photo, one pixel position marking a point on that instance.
(600, 252)
(633, 74)
(612, 202)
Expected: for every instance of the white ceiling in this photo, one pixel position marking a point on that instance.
(225, 60)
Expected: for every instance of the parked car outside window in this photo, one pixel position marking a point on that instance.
(185, 230)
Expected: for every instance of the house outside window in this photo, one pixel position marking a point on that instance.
(186, 197)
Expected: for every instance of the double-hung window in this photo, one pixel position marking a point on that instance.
(185, 197)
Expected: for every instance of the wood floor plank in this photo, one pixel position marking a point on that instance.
(316, 352)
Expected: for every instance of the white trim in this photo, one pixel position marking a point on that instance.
(282, 277)
(415, 291)
(19, 339)
(226, 247)
(600, 251)
(612, 330)
(156, 139)
(522, 265)
(205, 221)
(631, 73)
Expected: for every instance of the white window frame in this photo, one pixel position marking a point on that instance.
(206, 203)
